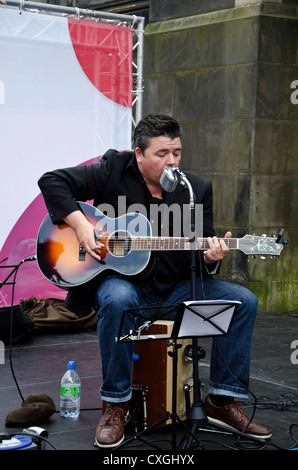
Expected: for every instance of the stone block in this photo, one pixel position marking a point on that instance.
(275, 296)
(218, 146)
(275, 34)
(231, 199)
(165, 9)
(159, 91)
(274, 201)
(199, 46)
(216, 93)
(273, 98)
(275, 147)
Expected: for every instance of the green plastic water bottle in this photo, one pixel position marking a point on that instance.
(70, 393)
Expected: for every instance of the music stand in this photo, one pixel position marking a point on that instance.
(193, 319)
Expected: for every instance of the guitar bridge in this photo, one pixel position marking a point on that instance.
(82, 253)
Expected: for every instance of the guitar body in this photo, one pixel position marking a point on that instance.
(63, 262)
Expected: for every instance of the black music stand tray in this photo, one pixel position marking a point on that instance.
(193, 319)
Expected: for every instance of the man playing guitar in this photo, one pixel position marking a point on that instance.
(136, 176)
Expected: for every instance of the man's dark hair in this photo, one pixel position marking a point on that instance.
(155, 125)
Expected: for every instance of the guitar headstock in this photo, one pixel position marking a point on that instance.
(260, 245)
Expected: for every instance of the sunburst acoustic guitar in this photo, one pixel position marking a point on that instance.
(128, 245)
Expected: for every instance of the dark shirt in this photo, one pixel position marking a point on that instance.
(116, 175)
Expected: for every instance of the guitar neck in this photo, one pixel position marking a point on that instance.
(175, 243)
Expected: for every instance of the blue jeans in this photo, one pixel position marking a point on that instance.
(116, 294)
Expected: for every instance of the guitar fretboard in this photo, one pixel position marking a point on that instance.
(175, 243)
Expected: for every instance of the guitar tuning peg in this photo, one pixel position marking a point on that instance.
(263, 257)
(253, 256)
(284, 241)
(272, 257)
(264, 235)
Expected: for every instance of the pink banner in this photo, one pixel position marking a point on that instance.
(65, 99)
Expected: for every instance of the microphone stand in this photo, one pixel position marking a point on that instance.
(196, 414)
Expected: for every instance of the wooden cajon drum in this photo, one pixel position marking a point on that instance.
(153, 370)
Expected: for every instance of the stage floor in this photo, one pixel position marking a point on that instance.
(41, 358)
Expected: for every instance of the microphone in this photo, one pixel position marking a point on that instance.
(170, 178)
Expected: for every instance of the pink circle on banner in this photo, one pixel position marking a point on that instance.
(21, 244)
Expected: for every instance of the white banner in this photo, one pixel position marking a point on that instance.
(65, 98)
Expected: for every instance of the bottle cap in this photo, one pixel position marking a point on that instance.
(71, 365)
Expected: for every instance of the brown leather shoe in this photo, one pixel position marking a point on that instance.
(110, 429)
(232, 416)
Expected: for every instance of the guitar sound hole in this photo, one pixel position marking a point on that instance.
(119, 243)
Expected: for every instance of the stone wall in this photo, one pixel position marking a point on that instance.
(226, 75)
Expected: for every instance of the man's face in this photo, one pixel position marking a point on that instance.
(161, 153)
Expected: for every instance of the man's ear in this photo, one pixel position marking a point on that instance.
(139, 154)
